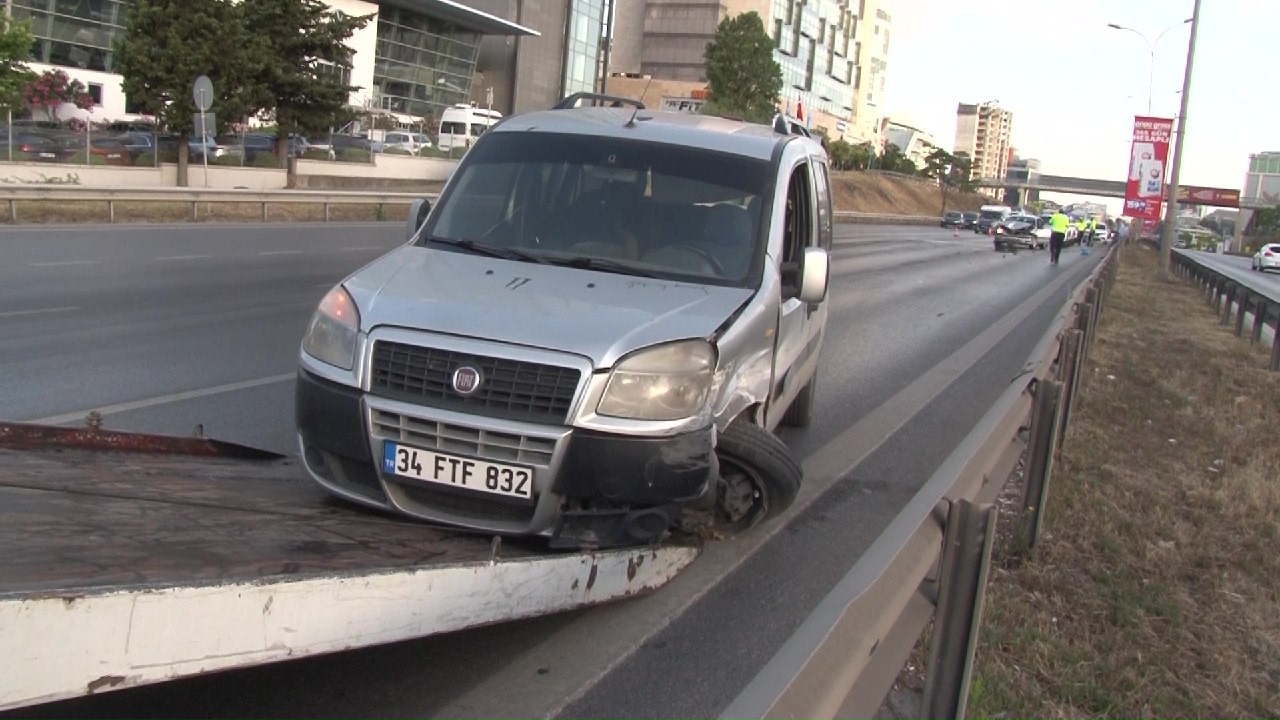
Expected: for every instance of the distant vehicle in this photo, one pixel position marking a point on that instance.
(989, 215)
(1267, 258)
(40, 148)
(970, 220)
(1020, 231)
(407, 141)
(952, 219)
(461, 124)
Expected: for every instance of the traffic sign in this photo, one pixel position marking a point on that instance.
(202, 93)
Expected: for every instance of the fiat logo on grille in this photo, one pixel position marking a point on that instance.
(465, 380)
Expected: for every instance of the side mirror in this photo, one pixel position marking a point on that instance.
(815, 275)
(418, 211)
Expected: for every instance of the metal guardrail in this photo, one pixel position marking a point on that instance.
(931, 562)
(1231, 294)
(196, 196)
(884, 218)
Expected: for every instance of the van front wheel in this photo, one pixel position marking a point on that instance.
(758, 476)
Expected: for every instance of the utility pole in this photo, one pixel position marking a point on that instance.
(1171, 209)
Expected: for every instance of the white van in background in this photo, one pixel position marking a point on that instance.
(461, 124)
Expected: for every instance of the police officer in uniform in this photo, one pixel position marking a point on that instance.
(1058, 225)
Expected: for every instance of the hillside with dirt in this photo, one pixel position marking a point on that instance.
(892, 193)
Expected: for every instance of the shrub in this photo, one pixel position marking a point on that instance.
(315, 154)
(266, 160)
(146, 159)
(397, 151)
(227, 160)
(168, 156)
(355, 155)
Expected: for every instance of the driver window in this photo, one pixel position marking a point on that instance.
(798, 222)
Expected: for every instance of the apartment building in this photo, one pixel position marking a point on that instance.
(983, 132)
(833, 55)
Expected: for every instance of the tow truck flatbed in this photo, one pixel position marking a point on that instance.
(129, 559)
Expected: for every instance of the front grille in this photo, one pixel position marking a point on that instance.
(508, 388)
(463, 440)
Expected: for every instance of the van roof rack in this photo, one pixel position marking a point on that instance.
(598, 100)
(788, 125)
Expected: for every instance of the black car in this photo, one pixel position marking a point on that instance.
(952, 219)
(970, 220)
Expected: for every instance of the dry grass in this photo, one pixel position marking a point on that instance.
(31, 212)
(1156, 589)
(891, 194)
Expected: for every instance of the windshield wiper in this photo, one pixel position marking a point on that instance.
(584, 262)
(480, 248)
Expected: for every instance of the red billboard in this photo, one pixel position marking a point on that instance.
(1148, 157)
(1219, 197)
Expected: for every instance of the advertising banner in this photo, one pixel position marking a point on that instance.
(1148, 158)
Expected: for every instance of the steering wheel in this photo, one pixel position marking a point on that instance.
(707, 257)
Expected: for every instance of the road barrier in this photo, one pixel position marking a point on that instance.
(62, 194)
(931, 562)
(1230, 294)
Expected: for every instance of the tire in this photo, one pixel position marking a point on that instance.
(759, 478)
(800, 413)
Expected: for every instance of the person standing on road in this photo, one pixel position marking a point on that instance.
(1058, 224)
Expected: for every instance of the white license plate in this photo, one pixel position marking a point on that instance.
(457, 471)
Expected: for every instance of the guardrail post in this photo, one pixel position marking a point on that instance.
(195, 210)
(1229, 296)
(1035, 486)
(966, 559)
(13, 212)
(1260, 307)
(1240, 310)
(111, 211)
(264, 211)
(1084, 322)
(1275, 349)
(326, 212)
(1069, 373)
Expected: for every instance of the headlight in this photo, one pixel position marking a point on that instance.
(331, 335)
(666, 382)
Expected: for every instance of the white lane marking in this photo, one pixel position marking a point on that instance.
(40, 311)
(186, 257)
(280, 252)
(163, 399)
(362, 248)
(63, 263)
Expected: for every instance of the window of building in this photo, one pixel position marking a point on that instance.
(422, 64)
(95, 92)
(73, 34)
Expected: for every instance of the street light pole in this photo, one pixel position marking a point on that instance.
(1151, 52)
(1171, 209)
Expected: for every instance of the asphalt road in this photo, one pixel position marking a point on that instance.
(927, 330)
(1240, 269)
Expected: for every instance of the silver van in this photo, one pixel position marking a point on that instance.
(590, 337)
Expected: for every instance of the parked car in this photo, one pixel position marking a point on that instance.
(434, 382)
(952, 219)
(336, 143)
(40, 148)
(970, 220)
(109, 149)
(407, 141)
(1020, 231)
(1267, 257)
(138, 144)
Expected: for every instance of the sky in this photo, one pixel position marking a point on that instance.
(1074, 85)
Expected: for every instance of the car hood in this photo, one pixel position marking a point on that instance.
(599, 315)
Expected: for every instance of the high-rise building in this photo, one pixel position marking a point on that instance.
(413, 59)
(1261, 189)
(983, 132)
(833, 55)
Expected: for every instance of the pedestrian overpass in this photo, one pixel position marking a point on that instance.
(1187, 195)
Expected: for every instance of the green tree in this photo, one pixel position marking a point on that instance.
(168, 44)
(302, 52)
(951, 172)
(742, 76)
(15, 49)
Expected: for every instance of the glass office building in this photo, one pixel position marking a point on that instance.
(73, 33)
(422, 64)
(583, 45)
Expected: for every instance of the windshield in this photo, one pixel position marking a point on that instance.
(992, 215)
(647, 209)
